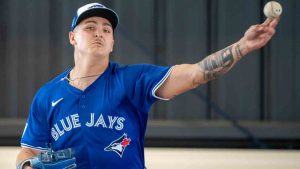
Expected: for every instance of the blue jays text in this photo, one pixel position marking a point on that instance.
(72, 121)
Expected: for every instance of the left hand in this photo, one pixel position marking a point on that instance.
(60, 164)
(259, 35)
(61, 159)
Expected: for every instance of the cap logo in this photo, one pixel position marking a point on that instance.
(96, 6)
(89, 6)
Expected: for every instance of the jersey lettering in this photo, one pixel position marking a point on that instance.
(73, 121)
(112, 120)
(60, 132)
(120, 123)
(64, 125)
(91, 123)
(100, 121)
(54, 134)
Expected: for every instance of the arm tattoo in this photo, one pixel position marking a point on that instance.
(238, 51)
(219, 63)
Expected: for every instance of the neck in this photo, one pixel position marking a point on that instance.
(89, 65)
(87, 70)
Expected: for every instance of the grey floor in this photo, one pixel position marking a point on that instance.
(164, 158)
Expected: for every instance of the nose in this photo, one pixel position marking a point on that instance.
(98, 34)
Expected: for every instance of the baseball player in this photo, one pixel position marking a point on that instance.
(94, 115)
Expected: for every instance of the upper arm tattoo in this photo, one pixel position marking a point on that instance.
(220, 62)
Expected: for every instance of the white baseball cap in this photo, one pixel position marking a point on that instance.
(95, 9)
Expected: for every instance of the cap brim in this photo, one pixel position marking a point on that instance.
(108, 14)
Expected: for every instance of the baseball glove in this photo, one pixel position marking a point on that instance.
(62, 159)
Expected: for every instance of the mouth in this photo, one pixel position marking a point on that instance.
(98, 43)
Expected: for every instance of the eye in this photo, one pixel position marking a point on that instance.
(90, 28)
(106, 30)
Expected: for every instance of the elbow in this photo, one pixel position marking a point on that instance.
(197, 77)
(197, 80)
(195, 83)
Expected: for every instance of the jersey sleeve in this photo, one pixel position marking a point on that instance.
(143, 82)
(36, 131)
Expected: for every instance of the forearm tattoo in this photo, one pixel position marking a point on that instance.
(238, 51)
(220, 62)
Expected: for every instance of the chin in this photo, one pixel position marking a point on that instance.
(95, 50)
(99, 53)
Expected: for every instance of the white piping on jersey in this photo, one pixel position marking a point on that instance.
(64, 78)
(160, 83)
(32, 147)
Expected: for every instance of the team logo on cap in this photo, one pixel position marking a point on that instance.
(88, 7)
(118, 146)
(96, 6)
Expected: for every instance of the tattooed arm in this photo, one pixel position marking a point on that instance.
(188, 76)
(220, 62)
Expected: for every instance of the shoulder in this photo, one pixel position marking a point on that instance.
(133, 68)
(48, 88)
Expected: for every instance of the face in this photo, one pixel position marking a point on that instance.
(93, 36)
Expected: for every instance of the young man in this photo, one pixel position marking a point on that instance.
(99, 108)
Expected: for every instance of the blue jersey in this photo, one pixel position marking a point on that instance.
(105, 124)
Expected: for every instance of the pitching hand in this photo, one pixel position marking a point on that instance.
(259, 35)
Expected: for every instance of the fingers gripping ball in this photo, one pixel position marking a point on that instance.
(272, 9)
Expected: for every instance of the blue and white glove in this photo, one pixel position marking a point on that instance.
(62, 159)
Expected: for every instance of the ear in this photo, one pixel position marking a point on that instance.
(112, 46)
(72, 38)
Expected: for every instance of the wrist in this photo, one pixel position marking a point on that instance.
(243, 47)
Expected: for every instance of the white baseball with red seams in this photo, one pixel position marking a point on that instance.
(272, 9)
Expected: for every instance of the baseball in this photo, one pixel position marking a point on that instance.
(272, 9)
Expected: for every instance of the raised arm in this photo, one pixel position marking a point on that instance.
(188, 76)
